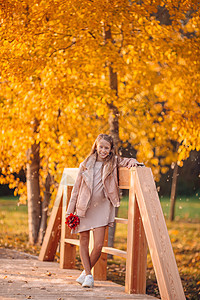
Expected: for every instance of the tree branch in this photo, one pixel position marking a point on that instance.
(65, 48)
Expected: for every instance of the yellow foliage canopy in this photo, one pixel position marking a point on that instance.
(55, 68)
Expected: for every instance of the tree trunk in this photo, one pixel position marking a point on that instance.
(45, 204)
(113, 127)
(114, 112)
(173, 192)
(33, 192)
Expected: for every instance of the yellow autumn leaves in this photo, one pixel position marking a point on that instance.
(55, 68)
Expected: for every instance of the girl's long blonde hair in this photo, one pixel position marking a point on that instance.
(107, 138)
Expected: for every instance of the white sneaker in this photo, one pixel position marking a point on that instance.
(88, 282)
(81, 278)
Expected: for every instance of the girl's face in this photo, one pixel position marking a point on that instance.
(103, 149)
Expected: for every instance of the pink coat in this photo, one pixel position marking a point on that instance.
(83, 186)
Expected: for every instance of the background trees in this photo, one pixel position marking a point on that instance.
(70, 70)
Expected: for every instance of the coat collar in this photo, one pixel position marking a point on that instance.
(91, 161)
(108, 169)
(88, 171)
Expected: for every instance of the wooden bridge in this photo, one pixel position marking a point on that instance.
(146, 228)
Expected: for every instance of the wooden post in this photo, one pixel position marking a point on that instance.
(99, 271)
(136, 246)
(67, 251)
(52, 235)
(157, 236)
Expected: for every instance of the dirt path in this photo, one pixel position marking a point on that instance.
(23, 276)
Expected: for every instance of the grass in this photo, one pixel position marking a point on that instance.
(186, 208)
(14, 226)
(184, 233)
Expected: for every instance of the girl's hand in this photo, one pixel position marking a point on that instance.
(135, 164)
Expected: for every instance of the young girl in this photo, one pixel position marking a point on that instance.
(94, 198)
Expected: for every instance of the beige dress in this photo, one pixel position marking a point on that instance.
(101, 212)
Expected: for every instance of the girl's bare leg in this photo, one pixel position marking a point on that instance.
(84, 251)
(99, 234)
(89, 261)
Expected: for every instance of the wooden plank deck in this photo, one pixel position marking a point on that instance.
(29, 278)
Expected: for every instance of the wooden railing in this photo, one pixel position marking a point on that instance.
(146, 225)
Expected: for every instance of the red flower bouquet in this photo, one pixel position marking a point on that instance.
(72, 221)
